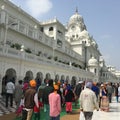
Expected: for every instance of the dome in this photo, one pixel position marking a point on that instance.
(92, 62)
(76, 18)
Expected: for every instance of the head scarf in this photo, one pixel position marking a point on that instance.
(25, 86)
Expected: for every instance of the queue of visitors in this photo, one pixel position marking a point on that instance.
(52, 96)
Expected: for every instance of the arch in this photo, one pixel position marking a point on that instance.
(28, 76)
(95, 70)
(51, 29)
(67, 79)
(73, 81)
(80, 66)
(39, 78)
(47, 78)
(10, 74)
(62, 80)
(56, 78)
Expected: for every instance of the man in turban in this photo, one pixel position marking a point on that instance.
(55, 104)
(30, 99)
(88, 101)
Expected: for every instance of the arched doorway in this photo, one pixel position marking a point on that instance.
(28, 76)
(47, 78)
(67, 79)
(9, 75)
(73, 81)
(56, 78)
(39, 78)
(62, 79)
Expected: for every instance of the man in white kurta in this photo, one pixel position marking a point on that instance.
(10, 87)
(88, 101)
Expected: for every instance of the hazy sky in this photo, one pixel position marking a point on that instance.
(102, 19)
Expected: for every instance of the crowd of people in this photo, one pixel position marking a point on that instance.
(52, 96)
(98, 96)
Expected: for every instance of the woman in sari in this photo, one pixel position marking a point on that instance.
(104, 106)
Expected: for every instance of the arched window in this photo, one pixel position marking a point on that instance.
(76, 35)
(95, 70)
(51, 29)
(73, 36)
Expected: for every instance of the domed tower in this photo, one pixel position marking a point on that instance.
(93, 66)
(76, 31)
(80, 40)
(76, 23)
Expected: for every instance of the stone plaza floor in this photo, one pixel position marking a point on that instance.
(3, 109)
(113, 114)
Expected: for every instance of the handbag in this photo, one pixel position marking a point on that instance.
(81, 116)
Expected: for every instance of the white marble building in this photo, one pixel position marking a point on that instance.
(29, 47)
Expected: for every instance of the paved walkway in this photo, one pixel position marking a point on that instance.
(113, 114)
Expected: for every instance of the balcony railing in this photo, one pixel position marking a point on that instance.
(36, 34)
(11, 52)
(48, 41)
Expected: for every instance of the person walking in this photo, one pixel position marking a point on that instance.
(109, 91)
(18, 93)
(95, 89)
(10, 87)
(55, 104)
(116, 92)
(30, 99)
(69, 96)
(104, 105)
(88, 101)
(77, 90)
(45, 99)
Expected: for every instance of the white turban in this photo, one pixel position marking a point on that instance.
(89, 85)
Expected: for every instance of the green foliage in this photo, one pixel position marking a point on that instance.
(28, 50)
(16, 46)
(50, 57)
(39, 53)
(55, 58)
